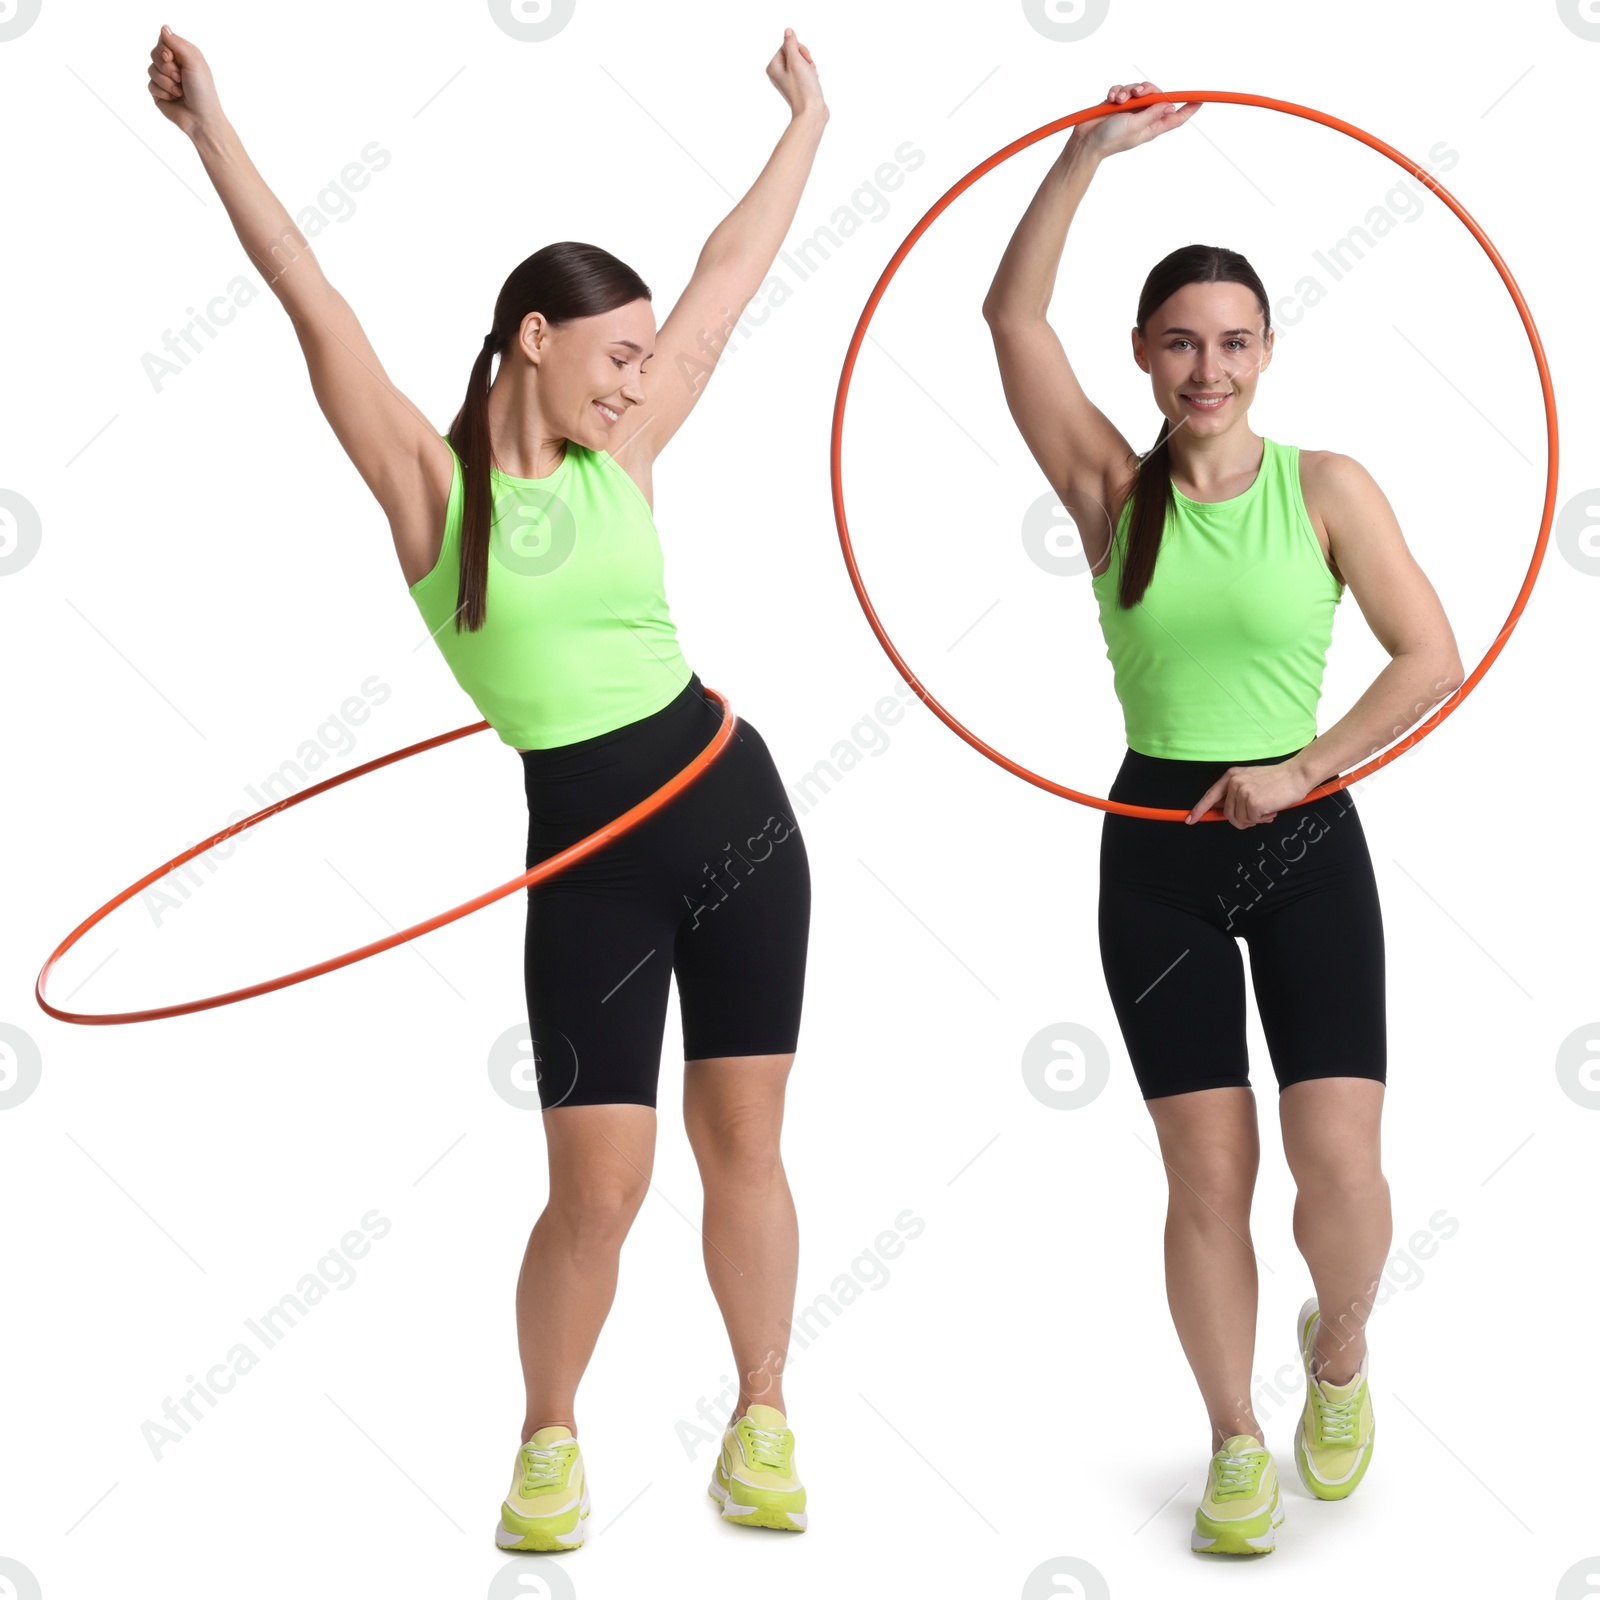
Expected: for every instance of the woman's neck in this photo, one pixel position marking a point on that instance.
(520, 441)
(1213, 466)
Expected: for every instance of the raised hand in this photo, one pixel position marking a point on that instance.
(180, 82)
(794, 75)
(1105, 136)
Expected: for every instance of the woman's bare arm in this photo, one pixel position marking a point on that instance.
(733, 263)
(1082, 454)
(392, 444)
(1399, 605)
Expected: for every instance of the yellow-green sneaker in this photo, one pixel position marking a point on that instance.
(754, 1480)
(548, 1506)
(1241, 1509)
(1333, 1438)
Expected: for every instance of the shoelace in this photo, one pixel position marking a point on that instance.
(1335, 1419)
(1238, 1474)
(542, 1465)
(764, 1446)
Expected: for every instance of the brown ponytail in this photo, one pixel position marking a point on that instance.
(562, 281)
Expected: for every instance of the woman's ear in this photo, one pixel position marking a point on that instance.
(532, 336)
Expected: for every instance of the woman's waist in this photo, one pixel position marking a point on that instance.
(1174, 782)
(613, 765)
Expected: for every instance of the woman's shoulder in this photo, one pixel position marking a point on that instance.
(1330, 474)
(1320, 461)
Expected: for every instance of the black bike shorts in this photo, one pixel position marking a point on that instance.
(1176, 897)
(714, 887)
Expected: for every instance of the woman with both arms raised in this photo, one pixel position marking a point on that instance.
(1218, 559)
(527, 539)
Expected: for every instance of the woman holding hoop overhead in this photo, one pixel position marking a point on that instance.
(527, 540)
(1218, 559)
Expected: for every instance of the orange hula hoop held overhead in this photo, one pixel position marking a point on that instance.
(1138, 102)
(545, 869)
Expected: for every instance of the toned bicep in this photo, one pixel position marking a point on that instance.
(1082, 454)
(1398, 602)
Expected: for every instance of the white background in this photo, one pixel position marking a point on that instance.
(213, 581)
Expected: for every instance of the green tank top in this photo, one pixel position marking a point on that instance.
(577, 639)
(1222, 658)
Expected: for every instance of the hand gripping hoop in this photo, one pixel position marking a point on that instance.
(1176, 96)
(545, 869)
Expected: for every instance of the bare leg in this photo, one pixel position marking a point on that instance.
(1342, 1220)
(1211, 1150)
(600, 1161)
(733, 1112)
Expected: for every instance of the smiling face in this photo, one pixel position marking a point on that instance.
(591, 368)
(1205, 348)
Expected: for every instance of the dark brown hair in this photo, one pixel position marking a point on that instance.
(561, 281)
(1152, 479)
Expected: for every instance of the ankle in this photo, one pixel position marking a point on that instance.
(1335, 1374)
(559, 1420)
(1338, 1366)
(773, 1398)
(1220, 1435)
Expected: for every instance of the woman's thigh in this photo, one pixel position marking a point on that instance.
(597, 966)
(599, 942)
(1171, 962)
(1317, 949)
(743, 885)
(1176, 983)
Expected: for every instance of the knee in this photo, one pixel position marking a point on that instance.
(739, 1152)
(1213, 1187)
(1339, 1180)
(598, 1207)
